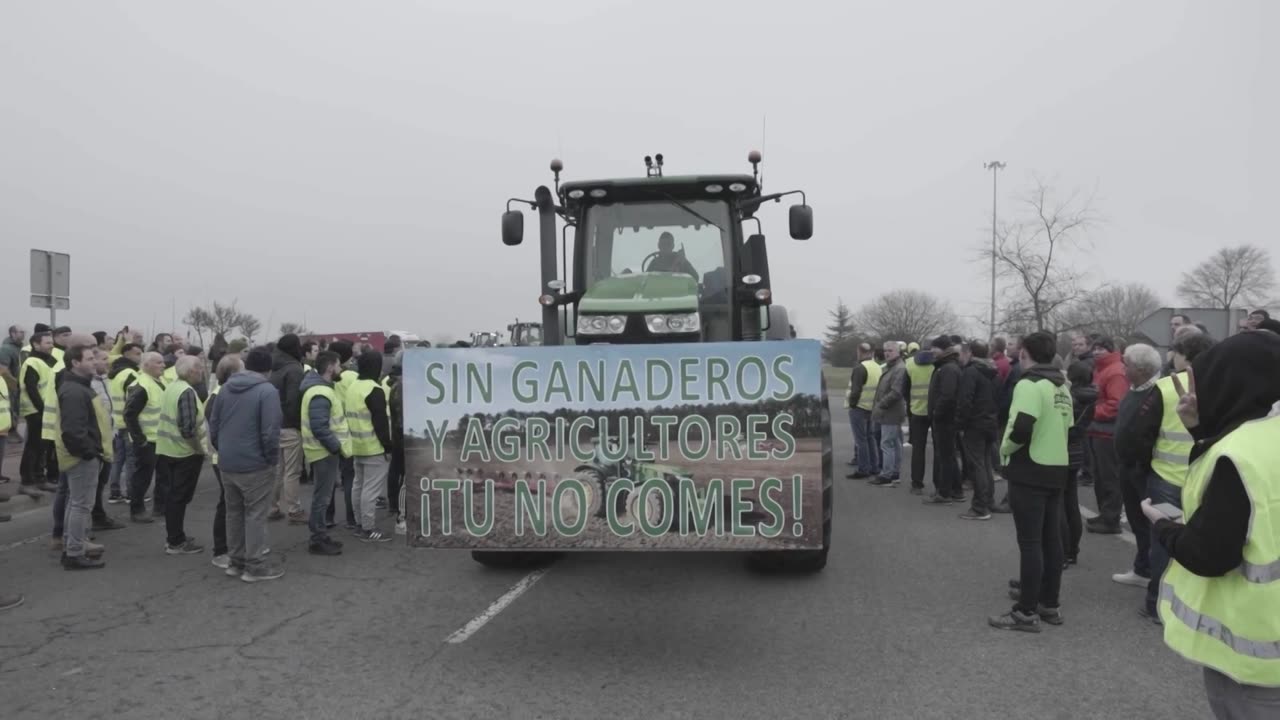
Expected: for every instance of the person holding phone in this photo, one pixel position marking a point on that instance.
(1220, 595)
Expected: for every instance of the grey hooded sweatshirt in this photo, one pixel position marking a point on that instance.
(245, 424)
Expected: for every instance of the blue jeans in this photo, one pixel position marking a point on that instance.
(861, 422)
(122, 464)
(1160, 491)
(890, 450)
(324, 478)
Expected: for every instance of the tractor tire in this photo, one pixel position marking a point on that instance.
(513, 560)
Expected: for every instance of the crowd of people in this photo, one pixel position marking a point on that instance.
(1184, 448)
(106, 421)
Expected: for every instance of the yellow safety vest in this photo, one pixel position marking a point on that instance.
(58, 355)
(170, 442)
(866, 401)
(1173, 445)
(170, 375)
(51, 422)
(213, 451)
(116, 386)
(44, 386)
(66, 460)
(1232, 623)
(920, 377)
(343, 383)
(6, 419)
(149, 418)
(364, 442)
(312, 448)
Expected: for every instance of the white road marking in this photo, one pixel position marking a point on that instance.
(20, 543)
(498, 606)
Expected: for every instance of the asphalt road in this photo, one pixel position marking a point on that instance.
(894, 628)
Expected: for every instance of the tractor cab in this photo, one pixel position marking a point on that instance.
(525, 334)
(484, 339)
(657, 258)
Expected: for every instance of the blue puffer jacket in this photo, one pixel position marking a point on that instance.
(245, 424)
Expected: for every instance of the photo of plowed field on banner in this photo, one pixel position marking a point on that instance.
(708, 446)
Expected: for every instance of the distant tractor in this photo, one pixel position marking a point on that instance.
(485, 339)
(525, 334)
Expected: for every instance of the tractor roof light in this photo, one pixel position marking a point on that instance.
(714, 188)
(737, 187)
(598, 193)
(547, 300)
(764, 294)
(576, 194)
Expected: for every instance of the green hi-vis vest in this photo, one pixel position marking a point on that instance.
(51, 421)
(866, 401)
(1173, 446)
(58, 359)
(920, 376)
(170, 375)
(66, 460)
(170, 442)
(364, 442)
(116, 387)
(149, 418)
(312, 448)
(44, 387)
(6, 418)
(1050, 405)
(213, 451)
(1232, 623)
(343, 383)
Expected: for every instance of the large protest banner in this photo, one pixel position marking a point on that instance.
(615, 447)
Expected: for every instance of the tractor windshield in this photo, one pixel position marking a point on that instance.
(688, 237)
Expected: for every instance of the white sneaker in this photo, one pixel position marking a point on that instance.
(402, 528)
(1130, 578)
(222, 561)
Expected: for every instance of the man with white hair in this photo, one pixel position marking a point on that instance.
(889, 411)
(142, 419)
(180, 448)
(1136, 429)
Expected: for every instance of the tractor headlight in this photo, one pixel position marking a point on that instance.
(601, 324)
(673, 323)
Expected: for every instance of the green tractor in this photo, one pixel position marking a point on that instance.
(525, 334)
(662, 259)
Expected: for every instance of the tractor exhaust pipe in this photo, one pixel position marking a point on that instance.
(547, 250)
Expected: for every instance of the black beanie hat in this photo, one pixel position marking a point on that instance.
(40, 327)
(290, 345)
(258, 360)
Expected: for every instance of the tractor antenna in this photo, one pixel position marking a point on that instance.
(764, 140)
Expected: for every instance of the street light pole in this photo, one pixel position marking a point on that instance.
(993, 166)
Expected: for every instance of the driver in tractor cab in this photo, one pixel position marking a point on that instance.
(668, 260)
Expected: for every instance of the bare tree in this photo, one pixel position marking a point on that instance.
(1113, 310)
(1034, 251)
(248, 325)
(1230, 277)
(906, 315)
(199, 320)
(293, 327)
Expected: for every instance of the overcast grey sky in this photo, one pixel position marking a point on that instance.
(347, 162)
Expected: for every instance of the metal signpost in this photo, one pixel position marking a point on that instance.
(51, 282)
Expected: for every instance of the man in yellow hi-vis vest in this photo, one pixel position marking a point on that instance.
(347, 470)
(863, 380)
(1171, 451)
(325, 441)
(368, 422)
(36, 389)
(142, 419)
(1218, 599)
(181, 446)
(919, 371)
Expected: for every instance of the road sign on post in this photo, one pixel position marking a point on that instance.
(50, 282)
(1220, 323)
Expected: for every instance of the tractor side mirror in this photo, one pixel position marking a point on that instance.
(801, 221)
(513, 227)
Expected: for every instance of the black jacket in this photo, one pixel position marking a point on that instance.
(79, 423)
(1082, 399)
(944, 389)
(976, 404)
(120, 365)
(1137, 427)
(286, 376)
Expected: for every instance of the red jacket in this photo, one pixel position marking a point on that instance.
(1112, 385)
